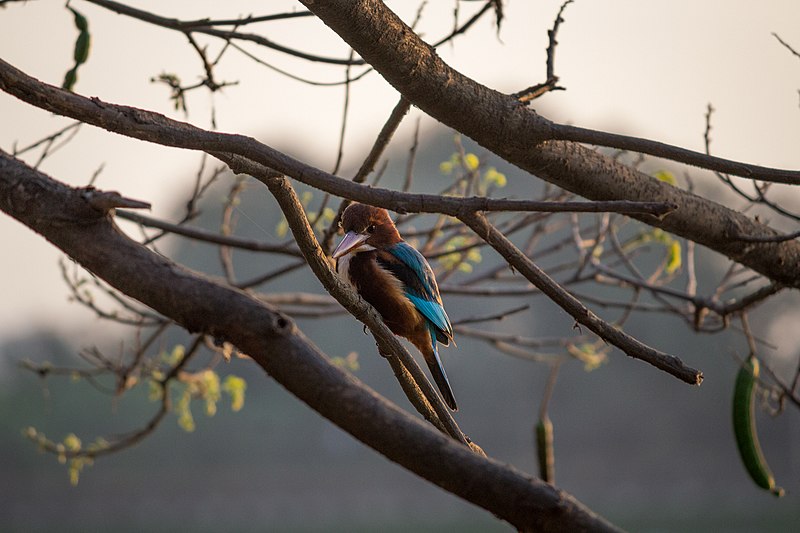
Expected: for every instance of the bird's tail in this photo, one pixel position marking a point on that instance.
(440, 376)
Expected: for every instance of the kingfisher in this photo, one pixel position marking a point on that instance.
(398, 282)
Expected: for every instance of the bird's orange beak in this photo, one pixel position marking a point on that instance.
(350, 242)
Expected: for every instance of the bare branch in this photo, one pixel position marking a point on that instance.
(526, 139)
(551, 80)
(786, 45)
(274, 342)
(210, 237)
(192, 27)
(575, 308)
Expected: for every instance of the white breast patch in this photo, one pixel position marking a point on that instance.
(343, 267)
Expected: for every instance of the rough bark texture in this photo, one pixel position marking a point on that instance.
(524, 138)
(503, 126)
(64, 216)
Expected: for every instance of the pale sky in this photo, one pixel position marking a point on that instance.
(645, 68)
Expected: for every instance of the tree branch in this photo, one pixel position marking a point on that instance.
(189, 27)
(433, 409)
(200, 304)
(527, 140)
(154, 127)
(575, 308)
(210, 237)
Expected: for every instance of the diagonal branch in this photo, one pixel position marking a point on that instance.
(527, 140)
(418, 388)
(154, 127)
(574, 307)
(200, 304)
(193, 27)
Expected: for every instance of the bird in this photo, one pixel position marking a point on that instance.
(398, 282)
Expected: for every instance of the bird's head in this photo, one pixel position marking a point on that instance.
(366, 228)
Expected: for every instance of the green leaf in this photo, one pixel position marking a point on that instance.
(70, 78)
(282, 228)
(72, 442)
(471, 161)
(81, 53)
(234, 386)
(184, 411)
(175, 356)
(666, 176)
(210, 391)
(80, 21)
(75, 467)
(674, 259)
(588, 354)
(155, 391)
(493, 177)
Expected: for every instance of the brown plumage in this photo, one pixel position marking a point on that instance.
(389, 274)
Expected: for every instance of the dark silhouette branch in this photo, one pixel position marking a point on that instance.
(208, 236)
(429, 404)
(154, 127)
(189, 27)
(565, 132)
(575, 308)
(528, 140)
(551, 80)
(200, 304)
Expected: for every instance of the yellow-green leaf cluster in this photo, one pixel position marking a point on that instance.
(175, 356)
(183, 408)
(674, 258)
(471, 161)
(462, 260)
(206, 386)
(210, 391)
(76, 467)
(494, 178)
(666, 177)
(588, 354)
(469, 164)
(70, 451)
(348, 362)
(235, 387)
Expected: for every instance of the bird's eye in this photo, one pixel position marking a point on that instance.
(371, 228)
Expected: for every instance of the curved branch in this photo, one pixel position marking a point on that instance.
(200, 304)
(189, 27)
(526, 139)
(154, 127)
(566, 132)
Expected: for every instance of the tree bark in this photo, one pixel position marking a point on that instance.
(524, 138)
(66, 217)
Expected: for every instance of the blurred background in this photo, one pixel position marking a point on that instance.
(635, 445)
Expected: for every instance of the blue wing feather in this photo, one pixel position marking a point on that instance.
(420, 287)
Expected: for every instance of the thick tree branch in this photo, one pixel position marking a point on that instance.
(527, 140)
(428, 402)
(154, 127)
(62, 216)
